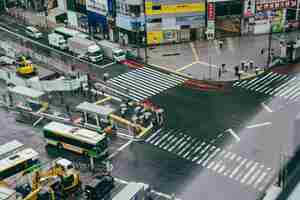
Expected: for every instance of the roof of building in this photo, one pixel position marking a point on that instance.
(93, 108)
(27, 92)
(129, 191)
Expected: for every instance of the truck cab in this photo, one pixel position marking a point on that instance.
(57, 40)
(95, 53)
(119, 55)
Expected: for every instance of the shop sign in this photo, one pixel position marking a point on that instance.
(169, 35)
(211, 26)
(211, 11)
(97, 6)
(275, 4)
(174, 8)
(249, 8)
(154, 37)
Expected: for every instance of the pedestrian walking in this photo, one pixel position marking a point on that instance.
(236, 70)
(262, 51)
(223, 67)
(251, 65)
(243, 65)
(219, 73)
(105, 76)
(220, 44)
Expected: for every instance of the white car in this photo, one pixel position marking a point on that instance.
(33, 32)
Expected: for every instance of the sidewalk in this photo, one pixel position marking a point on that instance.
(201, 59)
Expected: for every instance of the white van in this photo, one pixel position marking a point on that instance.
(33, 32)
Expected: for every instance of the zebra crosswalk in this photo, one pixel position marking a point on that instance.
(272, 83)
(145, 82)
(212, 157)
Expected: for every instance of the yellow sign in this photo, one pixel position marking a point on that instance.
(157, 9)
(154, 37)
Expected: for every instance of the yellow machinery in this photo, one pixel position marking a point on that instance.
(25, 67)
(60, 178)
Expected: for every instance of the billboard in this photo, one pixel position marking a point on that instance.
(154, 37)
(97, 6)
(158, 9)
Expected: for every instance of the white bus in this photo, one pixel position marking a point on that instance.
(68, 33)
(76, 139)
(18, 162)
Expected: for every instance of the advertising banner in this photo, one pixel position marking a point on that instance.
(158, 9)
(154, 37)
(211, 11)
(97, 6)
(249, 8)
(274, 4)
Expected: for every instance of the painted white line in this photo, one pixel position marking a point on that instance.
(186, 147)
(178, 142)
(249, 172)
(287, 86)
(294, 94)
(211, 156)
(266, 107)
(283, 85)
(161, 139)
(282, 78)
(206, 154)
(234, 134)
(182, 144)
(258, 81)
(227, 155)
(120, 149)
(289, 90)
(260, 179)
(222, 169)
(191, 150)
(266, 84)
(233, 156)
(153, 135)
(195, 151)
(167, 140)
(172, 141)
(254, 176)
(259, 125)
(242, 172)
(238, 168)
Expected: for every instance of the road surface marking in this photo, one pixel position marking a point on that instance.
(120, 149)
(182, 144)
(289, 90)
(259, 179)
(267, 84)
(169, 139)
(248, 86)
(195, 151)
(161, 138)
(212, 156)
(294, 94)
(263, 82)
(249, 172)
(266, 107)
(234, 134)
(153, 135)
(279, 82)
(186, 66)
(282, 86)
(238, 167)
(178, 141)
(191, 149)
(187, 146)
(228, 154)
(254, 176)
(287, 85)
(206, 154)
(259, 125)
(233, 156)
(240, 174)
(194, 51)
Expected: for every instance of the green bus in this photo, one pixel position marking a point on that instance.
(78, 140)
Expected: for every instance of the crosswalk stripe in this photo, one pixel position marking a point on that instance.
(258, 80)
(249, 172)
(238, 167)
(233, 156)
(153, 135)
(281, 79)
(196, 151)
(133, 87)
(168, 139)
(192, 149)
(159, 80)
(132, 92)
(242, 172)
(249, 82)
(264, 86)
(161, 138)
(211, 156)
(155, 139)
(289, 89)
(222, 168)
(175, 139)
(178, 142)
(293, 92)
(267, 180)
(182, 144)
(263, 81)
(187, 146)
(201, 152)
(206, 155)
(149, 84)
(262, 176)
(254, 176)
(277, 90)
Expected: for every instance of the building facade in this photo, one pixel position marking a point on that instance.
(130, 21)
(170, 21)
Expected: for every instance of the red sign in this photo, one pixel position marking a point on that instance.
(211, 11)
(276, 4)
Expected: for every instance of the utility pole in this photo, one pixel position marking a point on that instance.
(269, 46)
(145, 33)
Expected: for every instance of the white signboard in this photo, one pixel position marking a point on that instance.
(97, 6)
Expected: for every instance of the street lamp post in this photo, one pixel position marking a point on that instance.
(269, 46)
